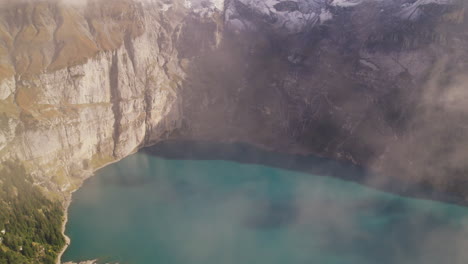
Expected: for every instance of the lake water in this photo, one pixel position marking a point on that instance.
(146, 209)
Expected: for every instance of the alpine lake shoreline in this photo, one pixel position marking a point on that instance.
(203, 150)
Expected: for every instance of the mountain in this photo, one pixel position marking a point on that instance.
(370, 82)
(379, 83)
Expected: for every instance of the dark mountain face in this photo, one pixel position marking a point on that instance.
(381, 84)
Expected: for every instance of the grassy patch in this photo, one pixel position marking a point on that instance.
(99, 160)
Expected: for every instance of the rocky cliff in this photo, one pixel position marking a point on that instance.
(377, 83)
(85, 84)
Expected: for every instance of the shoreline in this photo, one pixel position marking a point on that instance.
(64, 225)
(369, 177)
(68, 201)
(69, 196)
(299, 153)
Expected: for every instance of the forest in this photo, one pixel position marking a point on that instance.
(30, 223)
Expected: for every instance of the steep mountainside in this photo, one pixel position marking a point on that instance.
(377, 83)
(84, 85)
(364, 81)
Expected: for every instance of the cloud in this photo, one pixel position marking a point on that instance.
(207, 211)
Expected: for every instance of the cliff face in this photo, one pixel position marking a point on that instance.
(84, 85)
(369, 82)
(84, 88)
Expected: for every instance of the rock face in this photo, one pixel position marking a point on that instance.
(358, 81)
(108, 86)
(377, 83)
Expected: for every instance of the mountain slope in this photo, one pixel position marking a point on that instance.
(377, 83)
(84, 85)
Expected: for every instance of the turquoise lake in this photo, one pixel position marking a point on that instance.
(146, 209)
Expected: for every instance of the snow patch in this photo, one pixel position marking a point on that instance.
(369, 64)
(204, 4)
(308, 14)
(413, 11)
(218, 4)
(346, 3)
(325, 15)
(166, 7)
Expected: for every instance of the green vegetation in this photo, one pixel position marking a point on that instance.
(31, 223)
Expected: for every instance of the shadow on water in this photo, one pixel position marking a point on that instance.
(167, 210)
(311, 164)
(246, 153)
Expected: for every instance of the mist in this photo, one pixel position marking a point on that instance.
(258, 214)
(403, 117)
(432, 147)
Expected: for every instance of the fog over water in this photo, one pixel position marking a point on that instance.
(147, 209)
